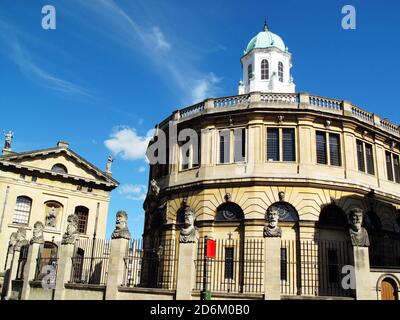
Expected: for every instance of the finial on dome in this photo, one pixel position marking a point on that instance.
(265, 24)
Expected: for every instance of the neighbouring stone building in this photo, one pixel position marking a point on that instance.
(46, 186)
(299, 193)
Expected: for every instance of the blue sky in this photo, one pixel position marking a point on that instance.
(112, 69)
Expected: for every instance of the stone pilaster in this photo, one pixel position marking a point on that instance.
(186, 271)
(64, 269)
(116, 267)
(362, 273)
(12, 274)
(30, 269)
(272, 268)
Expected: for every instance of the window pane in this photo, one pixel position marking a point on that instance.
(280, 71)
(185, 154)
(22, 210)
(360, 156)
(82, 213)
(321, 148)
(228, 263)
(389, 166)
(249, 72)
(273, 144)
(334, 149)
(288, 145)
(369, 159)
(224, 146)
(284, 264)
(396, 168)
(333, 270)
(264, 70)
(240, 144)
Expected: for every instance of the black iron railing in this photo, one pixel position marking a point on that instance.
(314, 267)
(90, 261)
(237, 268)
(23, 255)
(384, 250)
(151, 267)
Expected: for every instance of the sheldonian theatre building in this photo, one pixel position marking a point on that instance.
(268, 194)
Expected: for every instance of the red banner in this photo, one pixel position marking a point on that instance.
(211, 248)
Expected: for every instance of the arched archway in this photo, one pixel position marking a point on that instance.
(287, 213)
(389, 289)
(229, 211)
(332, 217)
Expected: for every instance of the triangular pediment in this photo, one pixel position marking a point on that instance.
(59, 162)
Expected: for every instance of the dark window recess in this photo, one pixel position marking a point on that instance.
(288, 141)
(333, 270)
(280, 71)
(89, 189)
(369, 159)
(321, 148)
(360, 156)
(224, 143)
(229, 272)
(83, 215)
(273, 144)
(284, 264)
(79, 188)
(34, 179)
(334, 150)
(240, 145)
(396, 165)
(389, 166)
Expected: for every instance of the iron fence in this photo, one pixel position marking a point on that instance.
(384, 250)
(90, 261)
(23, 255)
(314, 267)
(237, 268)
(47, 260)
(151, 267)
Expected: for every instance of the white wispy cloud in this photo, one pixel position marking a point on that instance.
(141, 169)
(173, 63)
(126, 142)
(15, 51)
(133, 192)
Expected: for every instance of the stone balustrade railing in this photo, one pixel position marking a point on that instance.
(292, 100)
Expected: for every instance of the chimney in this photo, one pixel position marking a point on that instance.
(62, 144)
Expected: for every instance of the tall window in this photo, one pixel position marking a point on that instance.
(273, 144)
(365, 157)
(284, 264)
(229, 254)
(333, 268)
(83, 215)
(328, 153)
(240, 145)
(393, 167)
(250, 72)
(22, 210)
(288, 145)
(281, 139)
(264, 69)
(224, 146)
(321, 148)
(280, 71)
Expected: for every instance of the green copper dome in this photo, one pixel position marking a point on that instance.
(265, 39)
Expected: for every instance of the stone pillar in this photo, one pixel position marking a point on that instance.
(30, 269)
(64, 269)
(12, 274)
(362, 273)
(186, 271)
(116, 267)
(272, 268)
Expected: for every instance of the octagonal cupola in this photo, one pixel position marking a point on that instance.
(266, 64)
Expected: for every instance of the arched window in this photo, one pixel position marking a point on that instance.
(264, 69)
(332, 216)
(22, 210)
(286, 211)
(249, 71)
(48, 256)
(280, 71)
(59, 168)
(83, 215)
(229, 211)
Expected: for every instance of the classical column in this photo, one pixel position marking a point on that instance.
(67, 251)
(119, 250)
(272, 256)
(32, 259)
(360, 242)
(187, 255)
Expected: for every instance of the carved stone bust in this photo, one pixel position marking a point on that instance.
(271, 228)
(189, 231)
(21, 239)
(121, 230)
(37, 233)
(358, 234)
(13, 242)
(71, 234)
